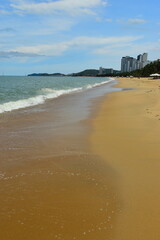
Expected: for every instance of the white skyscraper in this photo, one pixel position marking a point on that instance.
(144, 57)
(129, 64)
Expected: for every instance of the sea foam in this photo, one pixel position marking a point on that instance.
(43, 95)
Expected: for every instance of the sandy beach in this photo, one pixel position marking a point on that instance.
(126, 136)
(51, 185)
(84, 166)
(79, 120)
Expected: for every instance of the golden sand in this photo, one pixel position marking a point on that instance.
(127, 137)
(60, 198)
(51, 186)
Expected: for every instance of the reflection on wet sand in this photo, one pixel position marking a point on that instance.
(67, 197)
(51, 186)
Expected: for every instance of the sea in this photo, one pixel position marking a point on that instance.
(17, 92)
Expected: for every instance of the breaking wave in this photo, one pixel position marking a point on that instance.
(43, 95)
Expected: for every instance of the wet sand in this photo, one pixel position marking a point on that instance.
(126, 136)
(51, 185)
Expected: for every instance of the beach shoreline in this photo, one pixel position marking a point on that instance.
(84, 166)
(51, 185)
(126, 136)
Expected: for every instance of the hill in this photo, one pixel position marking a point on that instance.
(87, 72)
(45, 74)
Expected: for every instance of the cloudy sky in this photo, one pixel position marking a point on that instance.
(72, 35)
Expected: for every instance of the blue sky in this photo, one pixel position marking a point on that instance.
(72, 35)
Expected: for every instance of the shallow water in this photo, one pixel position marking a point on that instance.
(51, 186)
(66, 197)
(22, 92)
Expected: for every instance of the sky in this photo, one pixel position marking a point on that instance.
(69, 36)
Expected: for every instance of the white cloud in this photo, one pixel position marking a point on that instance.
(51, 26)
(3, 12)
(72, 7)
(7, 29)
(132, 21)
(99, 19)
(47, 50)
(116, 49)
(93, 41)
(130, 49)
(136, 21)
(108, 20)
(82, 42)
(12, 54)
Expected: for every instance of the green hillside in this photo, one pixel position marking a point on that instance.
(87, 72)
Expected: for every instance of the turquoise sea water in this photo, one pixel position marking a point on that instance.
(21, 92)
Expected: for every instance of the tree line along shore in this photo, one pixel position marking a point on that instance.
(151, 68)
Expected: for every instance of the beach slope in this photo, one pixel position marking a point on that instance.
(126, 136)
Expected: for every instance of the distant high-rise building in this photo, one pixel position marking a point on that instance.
(129, 64)
(144, 57)
(139, 57)
(100, 71)
(105, 71)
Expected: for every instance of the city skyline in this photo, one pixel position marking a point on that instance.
(70, 36)
(129, 64)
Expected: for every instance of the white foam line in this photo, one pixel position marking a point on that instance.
(46, 93)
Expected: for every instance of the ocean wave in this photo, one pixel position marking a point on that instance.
(89, 86)
(33, 101)
(44, 94)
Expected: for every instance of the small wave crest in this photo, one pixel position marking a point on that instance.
(43, 95)
(98, 84)
(33, 101)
